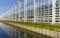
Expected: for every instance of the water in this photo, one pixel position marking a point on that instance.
(3, 34)
(8, 31)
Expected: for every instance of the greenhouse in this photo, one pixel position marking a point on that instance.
(42, 11)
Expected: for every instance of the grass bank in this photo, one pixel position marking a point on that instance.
(38, 25)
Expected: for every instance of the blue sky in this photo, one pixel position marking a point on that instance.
(5, 4)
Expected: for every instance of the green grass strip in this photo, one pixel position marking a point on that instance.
(38, 25)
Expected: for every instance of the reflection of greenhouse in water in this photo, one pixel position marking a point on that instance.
(13, 32)
(43, 11)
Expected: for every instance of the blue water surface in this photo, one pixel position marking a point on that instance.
(3, 34)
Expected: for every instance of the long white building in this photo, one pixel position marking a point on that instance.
(43, 11)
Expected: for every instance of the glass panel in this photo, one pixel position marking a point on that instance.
(30, 10)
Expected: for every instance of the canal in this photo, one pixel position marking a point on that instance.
(3, 34)
(8, 31)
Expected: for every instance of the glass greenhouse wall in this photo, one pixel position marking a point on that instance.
(43, 11)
